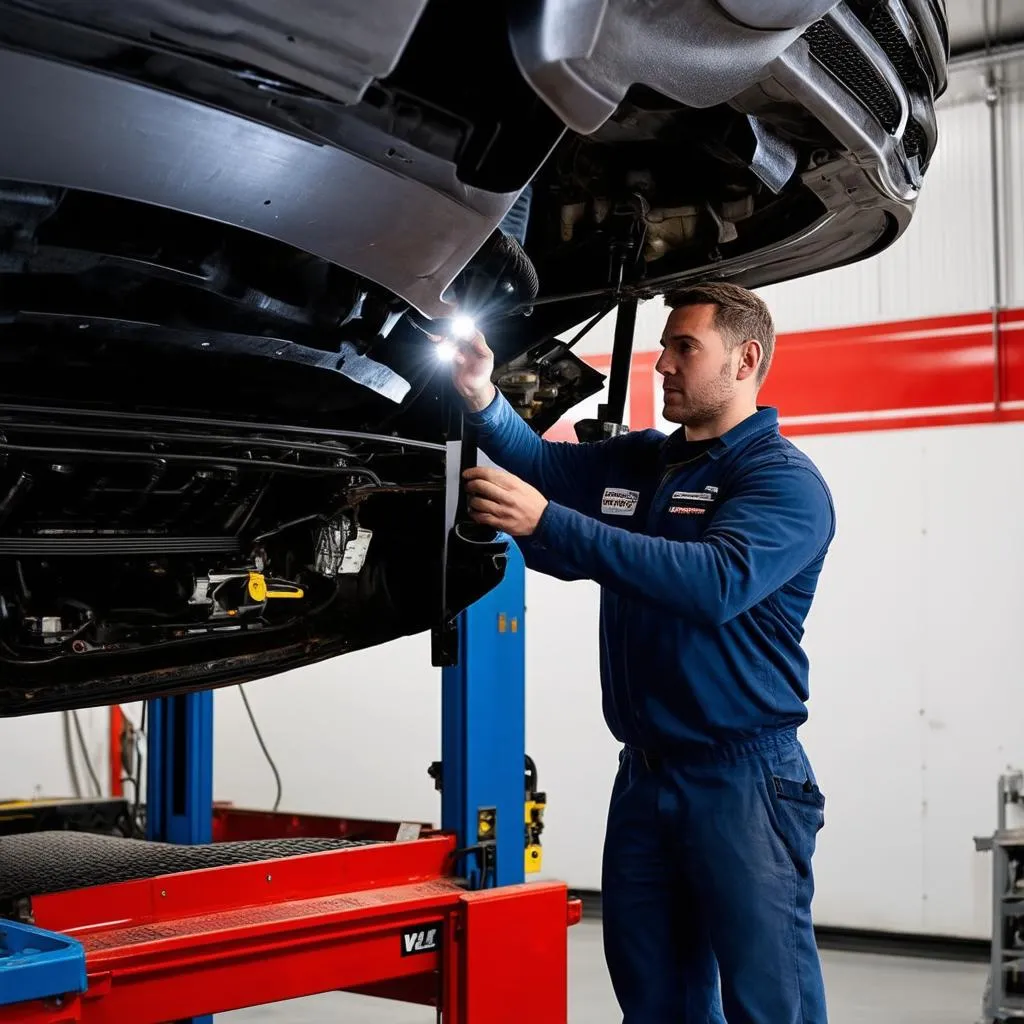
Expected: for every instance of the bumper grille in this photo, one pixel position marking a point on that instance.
(914, 142)
(897, 49)
(853, 69)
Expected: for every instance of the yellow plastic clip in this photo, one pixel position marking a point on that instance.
(534, 814)
(258, 589)
(534, 858)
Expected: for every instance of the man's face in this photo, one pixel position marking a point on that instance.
(698, 370)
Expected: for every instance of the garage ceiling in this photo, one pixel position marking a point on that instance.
(967, 23)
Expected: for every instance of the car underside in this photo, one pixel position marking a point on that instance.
(230, 235)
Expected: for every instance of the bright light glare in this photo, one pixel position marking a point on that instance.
(463, 327)
(445, 351)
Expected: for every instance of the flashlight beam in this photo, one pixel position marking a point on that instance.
(463, 327)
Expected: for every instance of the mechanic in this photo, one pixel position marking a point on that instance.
(708, 545)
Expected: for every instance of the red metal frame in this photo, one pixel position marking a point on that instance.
(115, 724)
(231, 824)
(216, 940)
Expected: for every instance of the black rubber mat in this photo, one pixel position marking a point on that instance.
(36, 863)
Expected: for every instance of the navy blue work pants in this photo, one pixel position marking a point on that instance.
(707, 879)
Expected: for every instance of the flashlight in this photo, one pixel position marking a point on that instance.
(463, 327)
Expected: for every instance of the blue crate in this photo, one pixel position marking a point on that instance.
(36, 964)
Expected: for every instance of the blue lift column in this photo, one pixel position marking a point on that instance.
(179, 774)
(483, 734)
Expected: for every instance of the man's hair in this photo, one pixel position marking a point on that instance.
(739, 316)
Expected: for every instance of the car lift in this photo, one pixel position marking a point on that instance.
(445, 919)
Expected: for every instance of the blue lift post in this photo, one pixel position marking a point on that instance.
(179, 774)
(483, 733)
(179, 769)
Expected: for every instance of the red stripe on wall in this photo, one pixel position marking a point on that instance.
(934, 371)
(908, 422)
(641, 393)
(910, 364)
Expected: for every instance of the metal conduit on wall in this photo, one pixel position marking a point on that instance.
(991, 63)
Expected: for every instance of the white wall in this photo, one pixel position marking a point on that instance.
(916, 693)
(917, 702)
(352, 736)
(34, 763)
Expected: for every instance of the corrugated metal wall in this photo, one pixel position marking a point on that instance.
(944, 262)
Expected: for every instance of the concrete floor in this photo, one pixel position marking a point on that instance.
(862, 989)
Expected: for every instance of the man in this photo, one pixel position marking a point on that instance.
(707, 544)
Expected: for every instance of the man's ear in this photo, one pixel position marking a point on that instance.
(750, 359)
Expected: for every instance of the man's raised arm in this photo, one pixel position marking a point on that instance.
(571, 474)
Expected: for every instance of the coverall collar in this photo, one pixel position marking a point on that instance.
(765, 419)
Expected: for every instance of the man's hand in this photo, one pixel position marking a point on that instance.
(472, 367)
(503, 501)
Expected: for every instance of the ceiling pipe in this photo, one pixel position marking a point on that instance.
(992, 98)
(995, 184)
(986, 58)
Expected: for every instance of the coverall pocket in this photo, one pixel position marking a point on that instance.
(798, 808)
(801, 792)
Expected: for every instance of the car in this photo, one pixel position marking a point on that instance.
(232, 235)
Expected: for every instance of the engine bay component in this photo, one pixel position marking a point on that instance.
(240, 592)
(93, 543)
(150, 541)
(536, 382)
(259, 589)
(49, 627)
(355, 552)
(341, 547)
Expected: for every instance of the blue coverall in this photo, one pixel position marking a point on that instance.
(708, 554)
